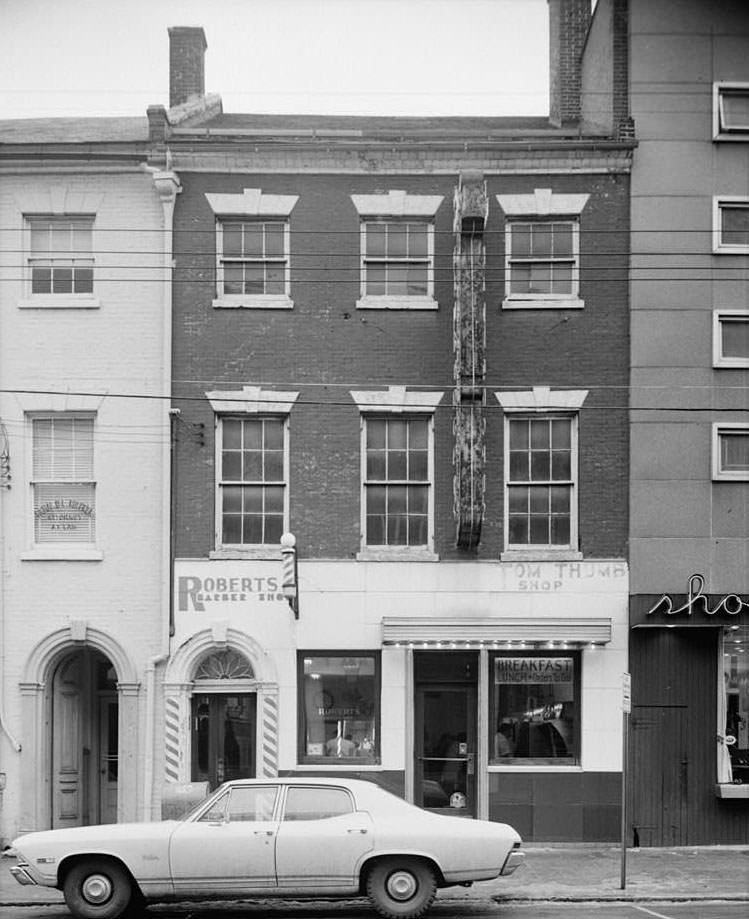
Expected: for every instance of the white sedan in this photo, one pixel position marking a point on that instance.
(280, 837)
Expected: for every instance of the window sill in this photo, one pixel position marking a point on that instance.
(540, 555)
(59, 302)
(727, 249)
(257, 302)
(542, 303)
(732, 791)
(62, 554)
(385, 554)
(532, 767)
(397, 303)
(349, 765)
(250, 552)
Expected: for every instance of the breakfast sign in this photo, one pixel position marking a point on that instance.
(694, 608)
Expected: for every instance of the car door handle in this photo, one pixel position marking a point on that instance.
(263, 832)
(358, 829)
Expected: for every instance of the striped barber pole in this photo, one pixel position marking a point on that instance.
(171, 740)
(270, 736)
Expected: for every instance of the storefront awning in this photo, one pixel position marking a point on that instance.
(434, 632)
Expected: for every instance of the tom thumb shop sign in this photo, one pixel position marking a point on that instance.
(695, 607)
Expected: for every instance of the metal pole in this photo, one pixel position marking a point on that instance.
(625, 758)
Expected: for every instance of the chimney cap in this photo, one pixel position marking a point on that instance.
(191, 31)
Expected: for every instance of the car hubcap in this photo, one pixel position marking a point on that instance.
(97, 888)
(401, 885)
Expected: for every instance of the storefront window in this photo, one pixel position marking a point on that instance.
(734, 767)
(339, 707)
(534, 712)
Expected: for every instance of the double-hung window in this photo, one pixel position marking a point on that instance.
(541, 471)
(731, 111)
(397, 472)
(731, 225)
(397, 250)
(63, 484)
(542, 249)
(731, 451)
(253, 246)
(60, 255)
(731, 338)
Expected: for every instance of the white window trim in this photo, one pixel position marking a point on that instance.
(396, 400)
(250, 400)
(543, 205)
(397, 204)
(55, 301)
(719, 359)
(542, 400)
(252, 205)
(719, 247)
(718, 474)
(740, 134)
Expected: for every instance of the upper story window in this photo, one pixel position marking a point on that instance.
(731, 451)
(60, 255)
(252, 470)
(731, 338)
(731, 111)
(541, 472)
(397, 473)
(253, 261)
(397, 250)
(62, 484)
(542, 249)
(731, 225)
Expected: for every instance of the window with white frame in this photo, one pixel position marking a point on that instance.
(253, 243)
(731, 111)
(542, 249)
(731, 338)
(731, 225)
(731, 451)
(397, 250)
(252, 484)
(60, 255)
(397, 471)
(63, 484)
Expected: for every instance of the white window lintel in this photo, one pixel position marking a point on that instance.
(396, 399)
(542, 203)
(397, 203)
(251, 400)
(542, 399)
(251, 203)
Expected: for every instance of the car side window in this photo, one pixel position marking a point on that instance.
(252, 803)
(216, 812)
(311, 803)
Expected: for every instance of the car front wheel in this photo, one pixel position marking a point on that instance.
(401, 888)
(97, 889)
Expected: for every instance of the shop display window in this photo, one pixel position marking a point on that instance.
(339, 718)
(534, 713)
(733, 702)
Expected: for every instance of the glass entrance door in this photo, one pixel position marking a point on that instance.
(445, 734)
(223, 737)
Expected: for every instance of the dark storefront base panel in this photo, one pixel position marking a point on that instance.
(556, 807)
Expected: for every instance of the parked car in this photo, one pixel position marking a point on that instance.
(281, 837)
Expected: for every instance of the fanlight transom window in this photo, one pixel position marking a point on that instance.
(224, 665)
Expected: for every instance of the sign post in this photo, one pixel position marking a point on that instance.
(626, 709)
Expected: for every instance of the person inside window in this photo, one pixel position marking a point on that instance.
(503, 745)
(341, 746)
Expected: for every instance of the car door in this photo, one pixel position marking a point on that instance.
(322, 839)
(230, 848)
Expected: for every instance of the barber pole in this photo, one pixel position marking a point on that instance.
(289, 572)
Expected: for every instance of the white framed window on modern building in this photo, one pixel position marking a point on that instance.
(541, 473)
(253, 249)
(731, 225)
(542, 250)
(397, 250)
(397, 473)
(731, 111)
(59, 255)
(730, 338)
(252, 471)
(63, 485)
(730, 452)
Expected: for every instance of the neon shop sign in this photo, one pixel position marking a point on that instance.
(697, 601)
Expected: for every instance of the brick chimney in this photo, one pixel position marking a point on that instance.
(187, 46)
(568, 27)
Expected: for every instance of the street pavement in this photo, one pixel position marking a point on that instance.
(560, 873)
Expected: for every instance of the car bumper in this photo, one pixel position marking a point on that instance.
(513, 861)
(22, 875)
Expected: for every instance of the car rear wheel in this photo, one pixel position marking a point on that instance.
(97, 889)
(401, 888)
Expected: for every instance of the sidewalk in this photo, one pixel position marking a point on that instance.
(560, 872)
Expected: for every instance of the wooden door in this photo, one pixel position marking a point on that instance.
(108, 757)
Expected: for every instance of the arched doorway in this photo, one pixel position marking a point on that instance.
(84, 739)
